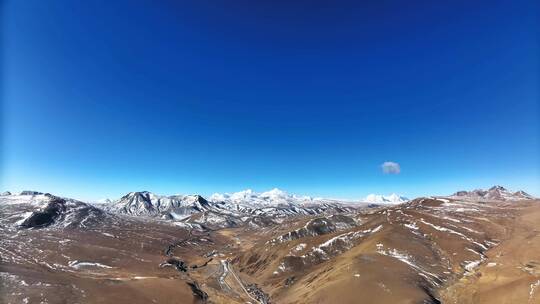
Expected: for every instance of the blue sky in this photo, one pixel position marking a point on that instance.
(102, 98)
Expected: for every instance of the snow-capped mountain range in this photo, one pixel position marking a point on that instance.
(236, 209)
(268, 198)
(223, 210)
(274, 197)
(146, 203)
(391, 199)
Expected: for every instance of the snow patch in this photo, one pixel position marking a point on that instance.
(407, 259)
(78, 264)
(412, 226)
(533, 289)
(25, 216)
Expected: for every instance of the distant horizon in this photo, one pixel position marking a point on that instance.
(331, 100)
(356, 199)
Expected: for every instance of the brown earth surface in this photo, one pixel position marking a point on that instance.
(429, 250)
(511, 273)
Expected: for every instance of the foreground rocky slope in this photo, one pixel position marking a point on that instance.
(408, 253)
(429, 250)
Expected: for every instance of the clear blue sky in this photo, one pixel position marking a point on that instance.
(106, 97)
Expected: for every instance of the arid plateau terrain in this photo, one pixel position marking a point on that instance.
(481, 246)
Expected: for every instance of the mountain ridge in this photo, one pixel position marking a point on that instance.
(495, 193)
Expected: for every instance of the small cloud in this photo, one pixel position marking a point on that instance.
(390, 168)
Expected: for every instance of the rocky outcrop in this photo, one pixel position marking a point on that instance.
(198, 292)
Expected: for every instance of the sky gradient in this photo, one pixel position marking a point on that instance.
(101, 98)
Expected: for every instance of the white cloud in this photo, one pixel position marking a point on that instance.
(390, 168)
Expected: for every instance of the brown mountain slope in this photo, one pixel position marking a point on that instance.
(511, 273)
(405, 254)
(429, 250)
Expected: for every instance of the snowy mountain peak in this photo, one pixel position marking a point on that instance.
(274, 193)
(523, 194)
(245, 194)
(223, 210)
(150, 204)
(235, 196)
(498, 188)
(381, 199)
(272, 197)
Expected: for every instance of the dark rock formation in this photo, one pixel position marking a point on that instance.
(198, 292)
(45, 217)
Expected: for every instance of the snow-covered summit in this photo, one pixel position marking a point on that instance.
(382, 199)
(150, 204)
(272, 197)
(224, 210)
(275, 194)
